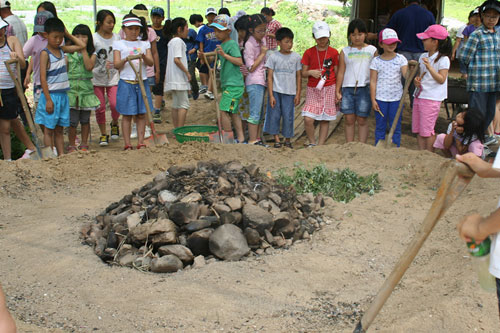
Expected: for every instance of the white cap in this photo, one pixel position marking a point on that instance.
(4, 4)
(211, 10)
(131, 22)
(321, 29)
(3, 24)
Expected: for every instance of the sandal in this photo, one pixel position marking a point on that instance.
(288, 144)
(72, 149)
(311, 145)
(140, 146)
(277, 145)
(260, 143)
(128, 147)
(84, 147)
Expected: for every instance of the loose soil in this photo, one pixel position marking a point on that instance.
(54, 283)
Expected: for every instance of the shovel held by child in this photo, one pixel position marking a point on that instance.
(41, 152)
(456, 179)
(157, 138)
(411, 74)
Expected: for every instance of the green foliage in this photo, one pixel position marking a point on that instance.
(342, 185)
(17, 148)
(459, 9)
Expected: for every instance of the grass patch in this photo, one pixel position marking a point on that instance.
(459, 9)
(342, 185)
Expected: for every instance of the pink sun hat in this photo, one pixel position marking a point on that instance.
(435, 31)
(388, 36)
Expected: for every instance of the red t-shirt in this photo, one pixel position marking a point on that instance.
(324, 60)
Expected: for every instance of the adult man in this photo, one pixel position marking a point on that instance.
(16, 25)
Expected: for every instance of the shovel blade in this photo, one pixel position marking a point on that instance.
(156, 140)
(227, 137)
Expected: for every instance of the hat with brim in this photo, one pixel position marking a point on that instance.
(321, 29)
(388, 36)
(142, 13)
(3, 24)
(132, 22)
(490, 4)
(210, 10)
(221, 22)
(435, 31)
(40, 18)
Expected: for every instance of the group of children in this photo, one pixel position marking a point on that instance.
(257, 58)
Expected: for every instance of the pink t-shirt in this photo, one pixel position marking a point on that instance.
(33, 48)
(150, 70)
(250, 54)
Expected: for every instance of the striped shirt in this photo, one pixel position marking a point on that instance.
(57, 74)
(481, 53)
(271, 28)
(5, 79)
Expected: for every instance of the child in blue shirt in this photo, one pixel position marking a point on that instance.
(208, 43)
(192, 47)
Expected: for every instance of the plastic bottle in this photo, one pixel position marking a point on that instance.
(481, 254)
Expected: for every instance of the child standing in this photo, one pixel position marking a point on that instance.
(130, 102)
(208, 43)
(465, 134)
(157, 17)
(241, 26)
(480, 55)
(432, 84)
(284, 83)
(106, 77)
(230, 76)
(177, 76)
(192, 47)
(82, 99)
(53, 107)
(319, 65)
(271, 27)
(353, 81)
(386, 89)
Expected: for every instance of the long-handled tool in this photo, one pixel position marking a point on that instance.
(41, 151)
(411, 74)
(456, 179)
(220, 136)
(157, 138)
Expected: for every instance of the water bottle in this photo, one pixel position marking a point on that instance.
(481, 263)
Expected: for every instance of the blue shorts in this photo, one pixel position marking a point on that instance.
(256, 97)
(129, 100)
(284, 109)
(151, 81)
(60, 116)
(359, 104)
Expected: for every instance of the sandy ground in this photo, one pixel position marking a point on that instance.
(54, 283)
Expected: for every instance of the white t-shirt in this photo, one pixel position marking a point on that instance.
(175, 78)
(357, 65)
(127, 48)
(18, 28)
(104, 52)
(389, 86)
(460, 31)
(151, 38)
(431, 89)
(495, 240)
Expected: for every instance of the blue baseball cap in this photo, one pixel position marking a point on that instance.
(158, 11)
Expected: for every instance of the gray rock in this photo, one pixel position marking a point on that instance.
(279, 241)
(100, 246)
(112, 241)
(143, 262)
(329, 202)
(233, 166)
(197, 225)
(281, 220)
(181, 170)
(252, 170)
(127, 260)
(183, 213)
(198, 242)
(166, 196)
(252, 236)
(257, 218)
(166, 264)
(163, 238)
(227, 242)
(305, 199)
(234, 203)
(231, 218)
(159, 231)
(221, 208)
(270, 250)
(133, 220)
(205, 210)
(275, 198)
(192, 197)
(181, 252)
(120, 218)
(259, 251)
(160, 177)
(268, 236)
(225, 186)
(183, 240)
(199, 261)
(249, 200)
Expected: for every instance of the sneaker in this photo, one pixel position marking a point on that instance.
(84, 147)
(196, 94)
(147, 132)
(260, 143)
(489, 140)
(203, 89)
(104, 140)
(26, 154)
(157, 118)
(54, 150)
(209, 95)
(133, 133)
(72, 149)
(115, 132)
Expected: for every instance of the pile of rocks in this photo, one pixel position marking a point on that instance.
(214, 210)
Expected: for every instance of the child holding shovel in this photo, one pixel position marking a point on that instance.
(230, 75)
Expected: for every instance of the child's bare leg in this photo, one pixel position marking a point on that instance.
(350, 121)
(362, 129)
(429, 143)
(421, 142)
(102, 128)
(181, 117)
(276, 138)
(59, 139)
(5, 138)
(48, 137)
(253, 131)
(140, 120)
(158, 99)
(323, 131)
(309, 126)
(175, 117)
(126, 123)
(238, 126)
(226, 121)
(85, 134)
(20, 132)
(72, 135)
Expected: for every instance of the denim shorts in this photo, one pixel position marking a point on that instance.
(358, 104)
(129, 100)
(283, 113)
(256, 96)
(151, 81)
